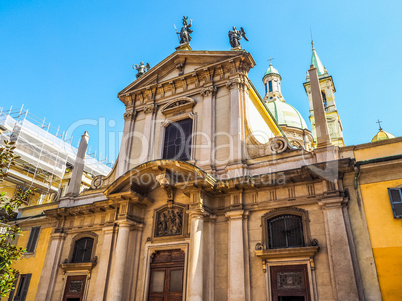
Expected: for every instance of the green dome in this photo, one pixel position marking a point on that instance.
(382, 135)
(286, 115)
(271, 70)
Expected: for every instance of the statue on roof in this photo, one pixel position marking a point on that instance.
(185, 31)
(235, 36)
(141, 69)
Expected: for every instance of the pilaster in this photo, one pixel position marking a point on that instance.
(126, 142)
(340, 259)
(48, 276)
(115, 288)
(236, 261)
(196, 258)
(207, 151)
(104, 262)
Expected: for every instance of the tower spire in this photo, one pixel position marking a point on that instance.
(315, 61)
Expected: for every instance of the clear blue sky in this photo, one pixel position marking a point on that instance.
(67, 60)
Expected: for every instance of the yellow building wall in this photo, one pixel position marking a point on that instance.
(34, 263)
(386, 237)
(378, 151)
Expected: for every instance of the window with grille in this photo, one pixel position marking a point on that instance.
(285, 231)
(83, 250)
(177, 144)
(33, 239)
(395, 196)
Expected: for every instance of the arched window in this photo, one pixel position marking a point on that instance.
(285, 231)
(83, 250)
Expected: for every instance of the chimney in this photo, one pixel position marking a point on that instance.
(75, 181)
(321, 126)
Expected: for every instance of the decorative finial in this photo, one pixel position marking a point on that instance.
(379, 124)
(270, 61)
(141, 69)
(235, 36)
(312, 41)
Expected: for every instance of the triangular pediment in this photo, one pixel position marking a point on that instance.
(181, 63)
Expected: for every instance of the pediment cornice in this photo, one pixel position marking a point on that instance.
(187, 68)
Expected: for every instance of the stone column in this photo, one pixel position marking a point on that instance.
(207, 151)
(50, 267)
(123, 163)
(195, 266)
(340, 259)
(104, 262)
(117, 273)
(236, 256)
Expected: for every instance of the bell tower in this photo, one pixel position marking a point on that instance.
(327, 88)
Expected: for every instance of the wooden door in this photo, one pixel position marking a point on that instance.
(166, 276)
(290, 283)
(75, 286)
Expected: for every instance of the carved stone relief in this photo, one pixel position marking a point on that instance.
(169, 222)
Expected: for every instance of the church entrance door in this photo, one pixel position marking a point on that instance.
(290, 283)
(166, 277)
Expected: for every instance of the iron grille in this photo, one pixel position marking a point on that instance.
(285, 231)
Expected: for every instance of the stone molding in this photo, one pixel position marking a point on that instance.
(287, 253)
(177, 105)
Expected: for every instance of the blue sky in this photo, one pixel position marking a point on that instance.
(67, 60)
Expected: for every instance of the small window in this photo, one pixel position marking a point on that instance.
(83, 250)
(395, 196)
(266, 90)
(177, 145)
(33, 239)
(324, 100)
(22, 288)
(285, 231)
(270, 85)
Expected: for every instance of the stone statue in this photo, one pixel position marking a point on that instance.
(235, 36)
(185, 31)
(141, 68)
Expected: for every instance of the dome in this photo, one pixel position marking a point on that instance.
(382, 135)
(271, 70)
(286, 115)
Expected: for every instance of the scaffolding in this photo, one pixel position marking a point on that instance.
(43, 153)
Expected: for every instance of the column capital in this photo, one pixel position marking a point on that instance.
(333, 203)
(58, 235)
(126, 223)
(150, 108)
(236, 214)
(208, 91)
(129, 115)
(198, 213)
(108, 229)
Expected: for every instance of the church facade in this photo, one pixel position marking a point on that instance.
(218, 193)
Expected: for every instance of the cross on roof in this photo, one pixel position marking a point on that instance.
(379, 124)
